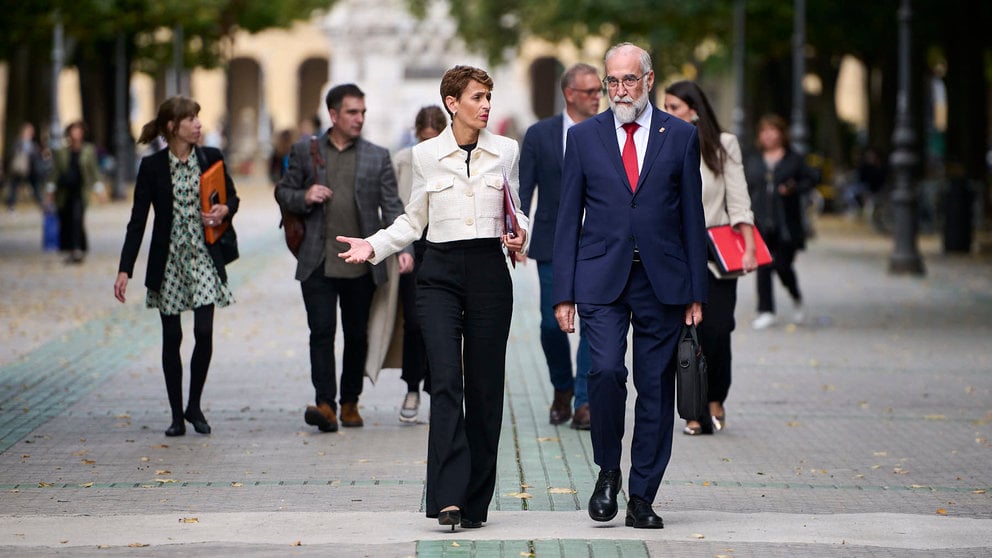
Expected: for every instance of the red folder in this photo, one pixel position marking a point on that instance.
(510, 224)
(727, 247)
(213, 191)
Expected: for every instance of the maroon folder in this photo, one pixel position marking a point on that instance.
(510, 224)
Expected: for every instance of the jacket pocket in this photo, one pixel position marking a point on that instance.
(592, 249)
(441, 198)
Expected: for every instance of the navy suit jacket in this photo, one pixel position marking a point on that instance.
(540, 167)
(601, 219)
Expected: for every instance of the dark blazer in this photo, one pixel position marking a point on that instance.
(776, 215)
(540, 168)
(663, 219)
(153, 188)
(376, 198)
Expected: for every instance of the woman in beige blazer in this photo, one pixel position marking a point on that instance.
(464, 293)
(725, 202)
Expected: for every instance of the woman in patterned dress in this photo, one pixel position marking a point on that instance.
(184, 272)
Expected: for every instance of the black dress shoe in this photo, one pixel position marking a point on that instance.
(641, 516)
(177, 428)
(603, 502)
(469, 524)
(451, 517)
(198, 421)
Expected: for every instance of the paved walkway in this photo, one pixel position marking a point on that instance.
(862, 432)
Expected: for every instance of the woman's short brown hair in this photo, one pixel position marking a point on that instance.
(455, 81)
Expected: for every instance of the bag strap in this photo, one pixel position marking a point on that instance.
(315, 158)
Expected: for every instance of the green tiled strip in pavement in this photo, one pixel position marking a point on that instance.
(43, 383)
(556, 548)
(515, 501)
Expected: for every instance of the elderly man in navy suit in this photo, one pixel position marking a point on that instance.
(540, 170)
(630, 249)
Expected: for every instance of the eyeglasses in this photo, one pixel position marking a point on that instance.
(597, 91)
(629, 81)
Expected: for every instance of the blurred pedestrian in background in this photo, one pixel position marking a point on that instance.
(184, 272)
(540, 170)
(725, 202)
(26, 165)
(777, 179)
(74, 174)
(429, 123)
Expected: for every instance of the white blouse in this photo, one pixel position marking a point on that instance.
(455, 204)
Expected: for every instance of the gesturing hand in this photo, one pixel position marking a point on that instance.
(360, 250)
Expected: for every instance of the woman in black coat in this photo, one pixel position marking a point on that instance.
(777, 179)
(184, 272)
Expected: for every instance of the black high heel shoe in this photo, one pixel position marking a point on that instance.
(450, 517)
(199, 422)
(177, 428)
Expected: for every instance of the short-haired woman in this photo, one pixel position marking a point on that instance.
(464, 293)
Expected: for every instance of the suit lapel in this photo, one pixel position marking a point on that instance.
(557, 144)
(656, 138)
(608, 135)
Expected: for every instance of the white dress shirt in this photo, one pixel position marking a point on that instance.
(640, 135)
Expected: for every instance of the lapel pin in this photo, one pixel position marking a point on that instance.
(661, 130)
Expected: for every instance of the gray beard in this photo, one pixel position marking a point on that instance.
(628, 113)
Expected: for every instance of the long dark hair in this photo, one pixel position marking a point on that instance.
(173, 109)
(710, 147)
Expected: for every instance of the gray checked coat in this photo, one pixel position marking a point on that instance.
(375, 195)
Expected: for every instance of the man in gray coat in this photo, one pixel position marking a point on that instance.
(353, 194)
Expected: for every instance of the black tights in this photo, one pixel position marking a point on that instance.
(172, 337)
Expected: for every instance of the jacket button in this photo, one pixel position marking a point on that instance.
(633, 204)
(469, 222)
(470, 193)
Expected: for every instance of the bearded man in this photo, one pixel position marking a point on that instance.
(630, 249)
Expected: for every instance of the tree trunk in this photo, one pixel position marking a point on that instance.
(29, 97)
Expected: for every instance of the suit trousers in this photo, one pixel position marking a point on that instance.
(415, 367)
(464, 302)
(557, 349)
(714, 334)
(321, 296)
(656, 331)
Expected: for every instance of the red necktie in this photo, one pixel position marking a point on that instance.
(629, 155)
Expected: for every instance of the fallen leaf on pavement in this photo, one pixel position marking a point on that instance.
(547, 439)
(166, 480)
(88, 462)
(236, 484)
(189, 520)
(561, 491)
(86, 484)
(163, 472)
(138, 545)
(699, 535)
(297, 543)
(941, 511)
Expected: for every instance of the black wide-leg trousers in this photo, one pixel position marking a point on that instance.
(464, 302)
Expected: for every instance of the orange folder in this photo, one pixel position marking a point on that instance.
(213, 191)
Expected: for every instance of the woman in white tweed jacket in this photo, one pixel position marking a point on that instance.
(464, 293)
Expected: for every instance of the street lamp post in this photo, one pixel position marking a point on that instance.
(58, 55)
(905, 256)
(739, 46)
(798, 128)
(121, 138)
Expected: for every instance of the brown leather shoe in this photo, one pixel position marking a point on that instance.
(561, 407)
(322, 416)
(350, 416)
(580, 420)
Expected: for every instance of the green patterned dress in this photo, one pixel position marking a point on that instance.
(191, 279)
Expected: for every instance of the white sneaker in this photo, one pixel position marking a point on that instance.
(763, 321)
(798, 315)
(411, 404)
